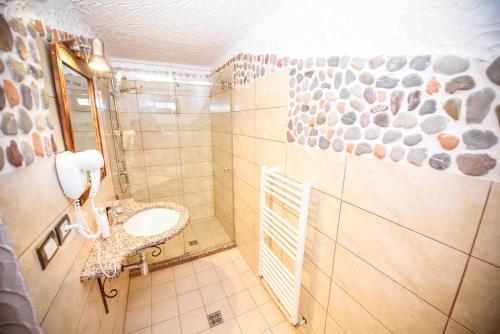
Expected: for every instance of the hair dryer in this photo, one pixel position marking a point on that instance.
(72, 171)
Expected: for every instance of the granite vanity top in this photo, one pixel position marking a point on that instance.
(121, 245)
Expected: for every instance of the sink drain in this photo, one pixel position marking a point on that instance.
(215, 319)
(193, 242)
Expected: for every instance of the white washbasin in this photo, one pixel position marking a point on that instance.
(151, 222)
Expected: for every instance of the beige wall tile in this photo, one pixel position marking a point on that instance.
(139, 191)
(221, 102)
(244, 169)
(271, 123)
(221, 121)
(313, 312)
(222, 140)
(162, 173)
(134, 158)
(222, 157)
(202, 211)
(323, 168)
(137, 175)
(197, 184)
(320, 249)
(156, 103)
(161, 156)
(351, 316)
(192, 90)
(270, 153)
(243, 97)
(131, 140)
(426, 267)
(194, 122)
(397, 308)
(244, 191)
(130, 121)
(128, 103)
(195, 138)
(409, 196)
(316, 283)
(271, 91)
(167, 139)
(478, 302)
(197, 169)
(487, 245)
(36, 188)
(157, 122)
(193, 104)
(199, 198)
(244, 147)
(165, 188)
(244, 122)
(154, 87)
(196, 154)
(324, 213)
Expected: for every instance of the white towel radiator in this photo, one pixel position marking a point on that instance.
(283, 282)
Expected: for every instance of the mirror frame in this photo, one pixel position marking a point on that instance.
(61, 56)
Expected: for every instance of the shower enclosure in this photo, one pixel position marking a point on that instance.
(172, 141)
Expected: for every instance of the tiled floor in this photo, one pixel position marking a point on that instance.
(208, 232)
(177, 300)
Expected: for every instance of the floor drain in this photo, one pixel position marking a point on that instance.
(193, 242)
(215, 319)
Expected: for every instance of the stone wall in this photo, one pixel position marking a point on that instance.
(438, 111)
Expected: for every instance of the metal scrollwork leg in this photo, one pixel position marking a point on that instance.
(156, 252)
(112, 294)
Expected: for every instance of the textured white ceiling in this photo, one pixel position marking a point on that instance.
(189, 32)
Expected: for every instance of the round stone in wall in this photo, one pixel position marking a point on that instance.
(463, 82)
(428, 107)
(14, 156)
(344, 61)
(372, 133)
(493, 71)
(396, 98)
(358, 62)
(440, 161)
(312, 141)
(11, 93)
(2, 158)
(22, 50)
(396, 63)
(412, 80)
(324, 143)
(344, 93)
(397, 153)
(26, 97)
(28, 153)
(475, 164)
(478, 105)
(375, 62)
(450, 65)
(16, 69)
(333, 61)
(434, 124)
(370, 95)
(364, 120)
(412, 139)
(391, 136)
(2, 99)
(349, 77)
(380, 151)
(479, 139)
(420, 63)
(379, 108)
(447, 141)
(8, 124)
(338, 145)
(417, 156)
(6, 38)
(356, 104)
(363, 148)
(356, 90)
(414, 100)
(381, 119)
(386, 82)
(366, 78)
(37, 144)
(18, 26)
(452, 108)
(353, 133)
(25, 122)
(405, 120)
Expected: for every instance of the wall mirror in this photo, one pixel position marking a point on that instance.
(76, 103)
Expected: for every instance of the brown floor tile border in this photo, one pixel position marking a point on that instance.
(185, 258)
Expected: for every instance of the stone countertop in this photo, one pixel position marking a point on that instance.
(121, 245)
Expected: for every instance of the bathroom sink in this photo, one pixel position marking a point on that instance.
(151, 222)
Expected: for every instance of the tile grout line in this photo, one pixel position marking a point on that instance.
(335, 245)
(468, 259)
